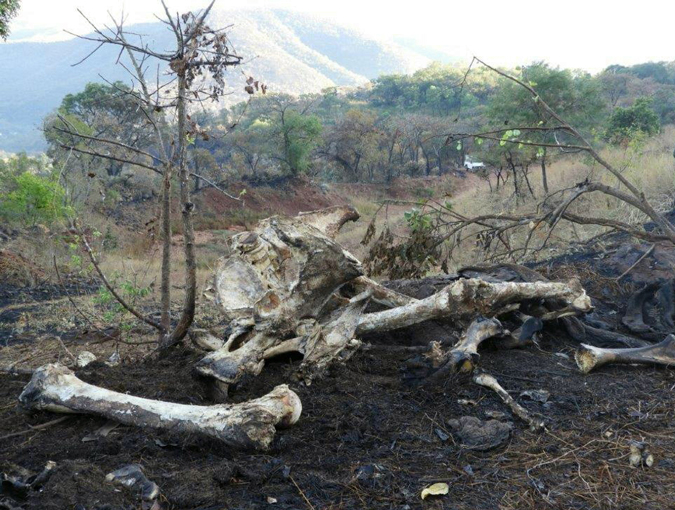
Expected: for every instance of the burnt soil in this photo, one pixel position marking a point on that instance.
(372, 435)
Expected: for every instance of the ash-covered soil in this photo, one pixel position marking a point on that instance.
(373, 435)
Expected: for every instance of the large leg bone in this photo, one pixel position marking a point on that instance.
(663, 353)
(468, 298)
(246, 425)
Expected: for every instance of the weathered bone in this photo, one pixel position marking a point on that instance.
(463, 356)
(467, 298)
(279, 284)
(589, 357)
(381, 294)
(319, 344)
(247, 425)
(490, 382)
(330, 220)
(284, 269)
(286, 288)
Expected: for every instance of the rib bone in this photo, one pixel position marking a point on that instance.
(589, 357)
(247, 425)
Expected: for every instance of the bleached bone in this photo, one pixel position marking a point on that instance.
(247, 425)
(330, 220)
(318, 343)
(490, 382)
(206, 340)
(464, 299)
(589, 357)
(381, 294)
(279, 283)
(463, 356)
(283, 270)
(286, 285)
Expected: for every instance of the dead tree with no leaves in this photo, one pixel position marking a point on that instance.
(196, 69)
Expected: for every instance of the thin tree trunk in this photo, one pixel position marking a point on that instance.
(527, 179)
(165, 289)
(544, 180)
(187, 209)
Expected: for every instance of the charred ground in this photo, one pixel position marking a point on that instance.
(372, 435)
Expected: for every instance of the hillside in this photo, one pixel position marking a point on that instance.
(291, 52)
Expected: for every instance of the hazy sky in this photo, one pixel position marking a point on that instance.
(588, 34)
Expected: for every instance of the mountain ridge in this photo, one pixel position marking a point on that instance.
(291, 52)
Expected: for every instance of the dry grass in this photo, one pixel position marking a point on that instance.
(650, 167)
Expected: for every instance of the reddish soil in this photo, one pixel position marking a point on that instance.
(296, 195)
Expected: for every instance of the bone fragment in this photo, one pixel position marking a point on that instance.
(490, 382)
(463, 356)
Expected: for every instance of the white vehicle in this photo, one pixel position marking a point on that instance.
(473, 165)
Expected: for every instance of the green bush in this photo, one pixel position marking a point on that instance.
(32, 199)
(639, 120)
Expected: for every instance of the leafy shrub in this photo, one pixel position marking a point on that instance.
(639, 120)
(32, 199)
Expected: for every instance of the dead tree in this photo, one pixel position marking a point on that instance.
(196, 69)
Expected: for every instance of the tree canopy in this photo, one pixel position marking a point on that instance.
(8, 10)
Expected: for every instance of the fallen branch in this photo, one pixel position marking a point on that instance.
(36, 428)
(633, 266)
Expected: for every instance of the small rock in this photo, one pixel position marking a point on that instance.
(466, 402)
(441, 435)
(114, 359)
(84, 358)
(536, 395)
(132, 477)
(496, 415)
(271, 500)
(480, 435)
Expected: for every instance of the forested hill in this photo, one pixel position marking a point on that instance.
(291, 52)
